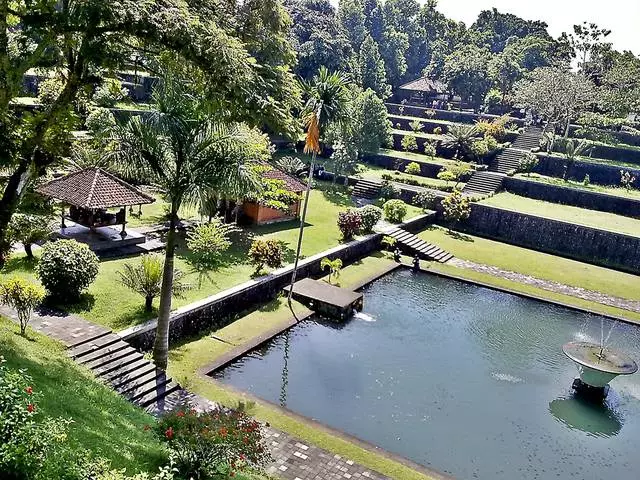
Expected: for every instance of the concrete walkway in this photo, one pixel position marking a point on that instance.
(293, 459)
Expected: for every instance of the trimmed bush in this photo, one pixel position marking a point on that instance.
(369, 216)
(409, 143)
(388, 190)
(67, 268)
(266, 252)
(456, 207)
(395, 211)
(425, 200)
(349, 223)
(412, 168)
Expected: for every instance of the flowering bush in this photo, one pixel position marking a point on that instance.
(349, 223)
(266, 252)
(369, 216)
(395, 211)
(213, 444)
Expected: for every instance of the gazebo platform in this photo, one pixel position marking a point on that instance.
(103, 238)
(319, 296)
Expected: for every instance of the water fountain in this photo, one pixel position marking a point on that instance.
(598, 365)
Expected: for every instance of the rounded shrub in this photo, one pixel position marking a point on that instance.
(66, 268)
(369, 216)
(266, 252)
(100, 121)
(412, 168)
(395, 211)
(349, 223)
(426, 200)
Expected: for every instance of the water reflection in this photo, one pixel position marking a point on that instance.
(595, 419)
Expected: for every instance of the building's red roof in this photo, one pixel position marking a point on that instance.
(94, 188)
(292, 183)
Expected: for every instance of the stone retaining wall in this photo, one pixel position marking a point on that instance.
(216, 310)
(447, 115)
(573, 196)
(600, 247)
(599, 173)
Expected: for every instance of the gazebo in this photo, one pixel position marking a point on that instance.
(90, 193)
(425, 91)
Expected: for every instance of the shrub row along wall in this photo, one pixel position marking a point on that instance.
(622, 137)
(573, 196)
(391, 162)
(586, 244)
(599, 173)
(616, 154)
(215, 311)
(429, 125)
(447, 115)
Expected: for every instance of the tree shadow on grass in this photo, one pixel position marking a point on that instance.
(135, 316)
(20, 263)
(460, 236)
(337, 195)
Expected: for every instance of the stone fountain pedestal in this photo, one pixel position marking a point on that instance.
(597, 367)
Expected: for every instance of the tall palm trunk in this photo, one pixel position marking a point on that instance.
(161, 343)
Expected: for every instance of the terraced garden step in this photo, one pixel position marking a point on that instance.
(86, 348)
(111, 358)
(102, 352)
(152, 385)
(129, 369)
(157, 394)
(128, 384)
(133, 377)
(117, 363)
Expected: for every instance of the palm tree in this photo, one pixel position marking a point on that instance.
(291, 165)
(183, 153)
(460, 138)
(572, 150)
(327, 99)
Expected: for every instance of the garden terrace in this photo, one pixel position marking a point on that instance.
(406, 179)
(600, 172)
(447, 115)
(617, 191)
(402, 122)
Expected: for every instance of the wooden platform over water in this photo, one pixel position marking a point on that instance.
(329, 300)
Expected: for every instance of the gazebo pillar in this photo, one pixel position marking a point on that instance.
(62, 224)
(123, 233)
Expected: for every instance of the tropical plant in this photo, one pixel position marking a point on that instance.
(572, 150)
(100, 121)
(453, 172)
(528, 163)
(437, 131)
(349, 223)
(456, 208)
(429, 149)
(409, 143)
(369, 216)
(30, 229)
(208, 241)
(291, 165)
(66, 268)
(627, 179)
(389, 242)
(185, 155)
(416, 126)
(145, 278)
(426, 200)
(460, 139)
(109, 92)
(334, 267)
(586, 180)
(23, 297)
(395, 211)
(413, 168)
(266, 252)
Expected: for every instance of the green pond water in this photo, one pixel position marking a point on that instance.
(459, 378)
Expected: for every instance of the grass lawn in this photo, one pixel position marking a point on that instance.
(617, 191)
(426, 182)
(103, 422)
(536, 264)
(566, 213)
(416, 157)
(109, 303)
(428, 136)
(187, 358)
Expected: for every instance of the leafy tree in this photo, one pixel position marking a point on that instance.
(556, 94)
(351, 19)
(453, 173)
(209, 241)
(372, 128)
(456, 208)
(393, 48)
(528, 163)
(83, 38)
(266, 252)
(395, 210)
(620, 92)
(495, 30)
(370, 215)
(426, 200)
(505, 69)
(185, 154)
(145, 278)
(588, 43)
(343, 159)
(371, 69)
(23, 297)
(334, 267)
(30, 229)
(416, 126)
(460, 139)
(349, 223)
(409, 143)
(465, 71)
(572, 150)
(374, 19)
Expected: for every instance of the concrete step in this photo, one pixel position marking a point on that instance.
(89, 347)
(132, 377)
(129, 369)
(117, 363)
(151, 384)
(156, 394)
(102, 352)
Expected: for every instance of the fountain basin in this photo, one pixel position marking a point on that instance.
(598, 366)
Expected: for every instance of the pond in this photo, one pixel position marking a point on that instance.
(456, 377)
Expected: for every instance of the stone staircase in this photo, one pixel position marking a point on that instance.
(506, 161)
(409, 243)
(528, 139)
(366, 189)
(483, 183)
(125, 369)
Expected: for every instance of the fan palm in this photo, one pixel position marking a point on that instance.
(327, 101)
(183, 154)
(460, 138)
(291, 165)
(572, 150)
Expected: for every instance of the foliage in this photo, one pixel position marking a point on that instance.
(371, 69)
(453, 172)
(492, 100)
(215, 443)
(371, 127)
(109, 92)
(627, 179)
(426, 200)
(66, 268)
(49, 90)
(291, 165)
(430, 149)
(145, 278)
(437, 131)
(210, 240)
(587, 180)
(461, 138)
(409, 143)
(272, 192)
(27, 442)
(388, 190)
(23, 297)
(416, 126)
(465, 71)
(334, 267)
(30, 229)
(395, 210)
(573, 149)
(528, 163)
(413, 168)
(417, 182)
(349, 223)
(389, 242)
(494, 128)
(100, 121)
(456, 207)
(369, 216)
(266, 252)
(344, 159)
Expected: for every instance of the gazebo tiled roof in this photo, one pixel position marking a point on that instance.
(292, 183)
(94, 188)
(425, 84)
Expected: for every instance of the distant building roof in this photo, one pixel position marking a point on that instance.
(94, 188)
(292, 183)
(425, 84)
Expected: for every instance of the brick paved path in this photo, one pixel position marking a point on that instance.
(104, 353)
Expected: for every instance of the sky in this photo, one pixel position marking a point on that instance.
(620, 16)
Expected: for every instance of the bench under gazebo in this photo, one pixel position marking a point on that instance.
(89, 194)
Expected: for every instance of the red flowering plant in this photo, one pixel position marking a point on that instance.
(213, 444)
